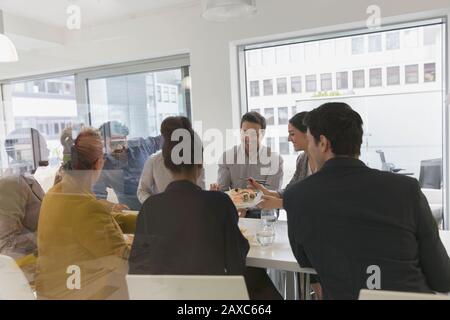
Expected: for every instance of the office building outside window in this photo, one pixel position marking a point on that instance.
(391, 109)
(326, 83)
(342, 80)
(254, 88)
(375, 42)
(282, 86)
(357, 45)
(411, 74)
(268, 87)
(283, 115)
(393, 75)
(269, 114)
(393, 40)
(311, 83)
(375, 77)
(359, 79)
(296, 84)
(429, 72)
(284, 146)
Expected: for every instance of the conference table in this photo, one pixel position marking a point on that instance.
(276, 256)
(279, 255)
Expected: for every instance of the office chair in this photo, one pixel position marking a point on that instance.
(168, 287)
(431, 174)
(14, 285)
(387, 166)
(394, 295)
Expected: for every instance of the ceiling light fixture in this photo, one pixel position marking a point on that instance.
(223, 10)
(8, 52)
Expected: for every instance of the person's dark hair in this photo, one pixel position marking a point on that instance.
(168, 127)
(298, 121)
(254, 117)
(340, 124)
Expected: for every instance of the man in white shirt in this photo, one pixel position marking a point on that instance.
(250, 159)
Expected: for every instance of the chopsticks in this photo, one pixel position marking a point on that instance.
(261, 182)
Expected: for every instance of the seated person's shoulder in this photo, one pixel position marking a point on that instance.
(229, 154)
(395, 178)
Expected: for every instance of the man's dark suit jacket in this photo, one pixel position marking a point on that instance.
(348, 217)
(187, 231)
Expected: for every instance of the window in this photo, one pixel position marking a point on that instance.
(254, 58)
(429, 72)
(326, 82)
(268, 87)
(342, 80)
(40, 110)
(270, 142)
(54, 87)
(165, 94)
(311, 51)
(158, 93)
(393, 75)
(283, 116)
(254, 88)
(284, 146)
(268, 56)
(359, 79)
(375, 42)
(311, 83)
(375, 77)
(173, 95)
(296, 84)
(68, 89)
(411, 38)
(431, 35)
(281, 86)
(125, 98)
(295, 53)
(393, 41)
(282, 55)
(376, 66)
(412, 73)
(52, 104)
(270, 116)
(358, 45)
(39, 86)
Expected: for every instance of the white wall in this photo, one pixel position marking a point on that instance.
(183, 30)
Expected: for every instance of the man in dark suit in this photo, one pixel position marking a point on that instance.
(361, 228)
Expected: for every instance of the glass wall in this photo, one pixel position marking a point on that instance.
(394, 79)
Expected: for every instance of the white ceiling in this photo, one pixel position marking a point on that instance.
(93, 12)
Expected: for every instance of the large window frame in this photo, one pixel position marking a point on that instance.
(394, 24)
(82, 76)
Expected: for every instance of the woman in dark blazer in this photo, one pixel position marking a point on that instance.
(185, 230)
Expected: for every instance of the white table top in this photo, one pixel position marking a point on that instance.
(276, 256)
(279, 255)
(445, 238)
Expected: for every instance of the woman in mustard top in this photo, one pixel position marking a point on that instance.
(82, 251)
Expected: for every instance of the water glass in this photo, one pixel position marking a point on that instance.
(266, 236)
(268, 218)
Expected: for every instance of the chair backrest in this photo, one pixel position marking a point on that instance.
(382, 156)
(13, 284)
(394, 295)
(166, 287)
(431, 174)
